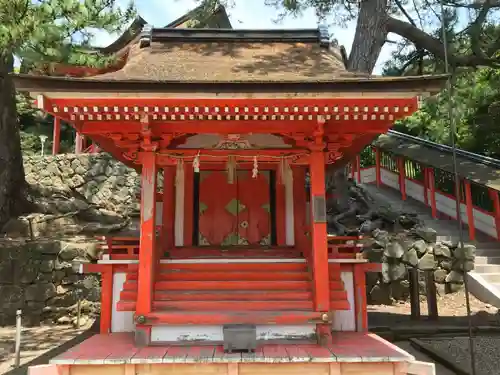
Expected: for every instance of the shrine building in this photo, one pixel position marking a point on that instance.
(224, 126)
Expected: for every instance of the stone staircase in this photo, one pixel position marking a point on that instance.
(484, 280)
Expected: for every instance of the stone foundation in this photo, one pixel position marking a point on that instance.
(414, 249)
(41, 278)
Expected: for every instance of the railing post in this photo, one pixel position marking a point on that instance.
(432, 188)
(402, 177)
(470, 210)
(358, 167)
(496, 210)
(378, 177)
(56, 136)
(426, 186)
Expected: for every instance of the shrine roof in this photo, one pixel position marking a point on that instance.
(217, 18)
(164, 59)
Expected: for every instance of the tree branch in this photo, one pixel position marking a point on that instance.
(474, 5)
(406, 14)
(425, 41)
(476, 27)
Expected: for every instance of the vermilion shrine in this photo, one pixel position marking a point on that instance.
(234, 243)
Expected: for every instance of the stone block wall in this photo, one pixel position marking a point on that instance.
(41, 278)
(75, 194)
(415, 249)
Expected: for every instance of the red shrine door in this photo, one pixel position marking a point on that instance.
(237, 213)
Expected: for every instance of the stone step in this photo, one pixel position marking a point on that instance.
(487, 252)
(488, 245)
(487, 259)
(493, 278)
(496, 286)
(487, 268)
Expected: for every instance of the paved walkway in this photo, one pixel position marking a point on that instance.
(440, 369)
(446, 229)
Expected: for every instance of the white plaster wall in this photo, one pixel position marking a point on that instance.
(368, 175)
(345, 320)
(121, 321)
(414, 190)
(389, 179)
(159, 213)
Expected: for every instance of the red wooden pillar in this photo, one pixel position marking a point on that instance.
(319, 240)
(426, 186)
(353, 168)
(188, 204)
(106, 300)
(168, 213)
(402, 177)
(147, 249)
(496, 210)
(280, 210)
(432, 190)
(360, 305)
(378, 176)
(470, 210)
(56, 136)
(299, 209)
(358, 168)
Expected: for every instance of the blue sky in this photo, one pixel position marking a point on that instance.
(250, 14)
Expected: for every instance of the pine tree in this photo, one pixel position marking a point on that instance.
(48, 31)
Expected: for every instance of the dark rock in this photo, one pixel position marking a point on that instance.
(43, 247)
(440, 276)
(393, 272)
(442, 250)
(462, 265)
(427, 262)
(400, 290)
(394, 250)
(410, 258)
(466, 252)
(455, 277)
(380, 295)
(10, 293)
(446, 265)
(408, 221)
(40, 292)
(420, 246)
(47, 265)
(29, 272)
(8, 271)
(429, 235)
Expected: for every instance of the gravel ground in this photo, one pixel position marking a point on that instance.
(451, 308)
(487, 352)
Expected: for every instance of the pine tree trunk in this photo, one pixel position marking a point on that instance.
(370, 35)
(369, 38)
(13, 188)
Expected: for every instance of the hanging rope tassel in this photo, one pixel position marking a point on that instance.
(255, 170)
(196, 163)
(179, 173)
(231, 169)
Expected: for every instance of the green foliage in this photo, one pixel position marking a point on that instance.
(58, 30)
(51, 31)
(476, 107)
